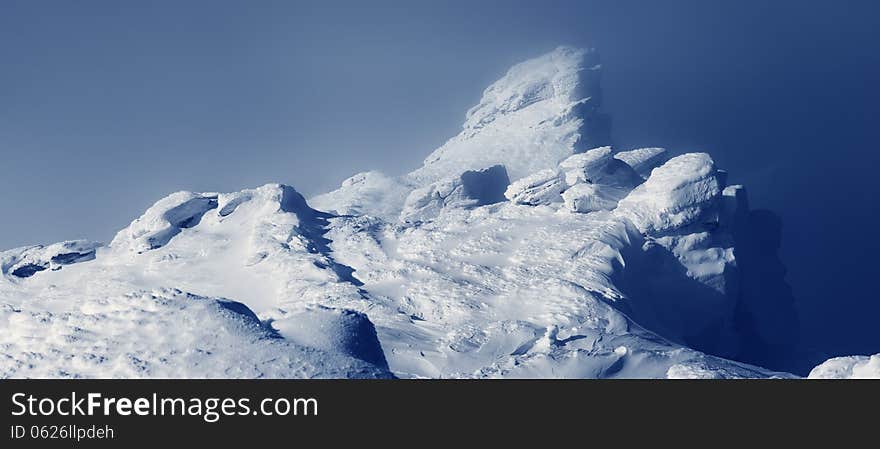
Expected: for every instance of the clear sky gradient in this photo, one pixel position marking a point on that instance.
(107, 106)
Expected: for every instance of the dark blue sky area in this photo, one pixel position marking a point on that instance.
(107, 106)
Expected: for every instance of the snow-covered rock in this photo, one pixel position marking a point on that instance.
(586, 197)
(471, 189)
(27, 261)
(851, 367)
(543, 187)
(165, 219)
(596, 180)
(643, 160)
(681, 192)
(587, 166)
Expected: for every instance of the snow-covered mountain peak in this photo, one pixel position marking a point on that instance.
(541, 111)
(526, 246)
(564, 75)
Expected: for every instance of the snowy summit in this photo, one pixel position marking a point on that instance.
(525, 246)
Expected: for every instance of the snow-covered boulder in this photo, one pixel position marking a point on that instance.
(851, 367)
(595, 180)
(617, 174)
(681, 192)
(543, 187)
(471, 189)
(586, 197)
(165, 219)
(688, 256)
(643, 160)
(27, 261)
(587, 166)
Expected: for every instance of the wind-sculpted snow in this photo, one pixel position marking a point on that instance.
(596, 180)
(165, 220)
(588, 197)
(335, 330)
(507, 290)
(471, 189)
(526, 246)
(125, 313)
(369, 193)
(543, 187)
(852, 367)
(27, 261)
(541, 111)
(160, 333)
(679, 193)
(556, 75)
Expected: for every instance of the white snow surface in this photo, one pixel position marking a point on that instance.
(851, 367)
(451, 271)
(368, 193)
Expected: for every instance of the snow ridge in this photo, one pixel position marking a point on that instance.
(526, 246)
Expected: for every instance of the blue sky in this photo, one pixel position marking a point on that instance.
(107, 106)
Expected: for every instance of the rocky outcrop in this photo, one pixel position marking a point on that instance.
(683, 191)
(472, 188)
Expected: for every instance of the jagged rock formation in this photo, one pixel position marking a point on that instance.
(526, 246)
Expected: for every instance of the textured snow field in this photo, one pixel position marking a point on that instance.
(524, 247)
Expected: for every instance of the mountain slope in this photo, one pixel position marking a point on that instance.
(524, 247)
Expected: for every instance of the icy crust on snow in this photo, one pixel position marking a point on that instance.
(851, 367)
